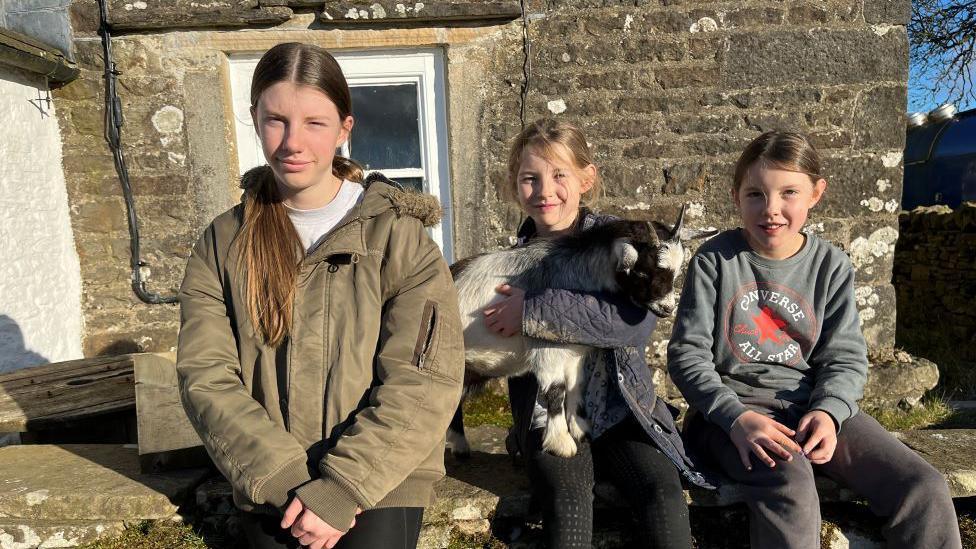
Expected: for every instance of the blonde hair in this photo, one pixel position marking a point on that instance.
(544, 135)
(784, 150)
(271, 251)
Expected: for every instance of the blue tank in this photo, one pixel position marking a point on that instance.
(940, 162)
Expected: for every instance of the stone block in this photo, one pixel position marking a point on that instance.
(823, 57)
(876, 306)
(100, 217)
(666, 21)
(684, 77)
(679, 178)
(631, 182)
(127, 15)
(756, 16)
(24, 534)
(84, 88)
(395, 11)
(952, 452)
(879, 120)
(892, 12)
(87, 483)
(896, 382)
(855, 184)
(654, 49)
(474, 488)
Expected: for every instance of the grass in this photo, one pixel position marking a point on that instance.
(152, 535)
(931, 413)
(487, 408)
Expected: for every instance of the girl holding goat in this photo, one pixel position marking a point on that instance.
(550, 170)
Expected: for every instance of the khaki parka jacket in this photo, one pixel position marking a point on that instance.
(352, 410)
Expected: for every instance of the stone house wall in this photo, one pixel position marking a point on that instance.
(40, 281)
(668, 93)
(935, 275)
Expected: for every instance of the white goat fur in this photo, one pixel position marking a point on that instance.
(554, 364)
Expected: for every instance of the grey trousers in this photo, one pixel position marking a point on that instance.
(784, 507)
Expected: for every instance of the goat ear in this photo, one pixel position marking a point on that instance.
(694, 234)
(660, 231)
(624, 255)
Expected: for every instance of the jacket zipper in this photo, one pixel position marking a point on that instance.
(431, 322)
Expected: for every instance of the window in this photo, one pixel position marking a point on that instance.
(398, 102)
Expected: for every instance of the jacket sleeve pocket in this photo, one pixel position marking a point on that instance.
(426, 337)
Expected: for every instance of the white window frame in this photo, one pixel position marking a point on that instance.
(423, 67)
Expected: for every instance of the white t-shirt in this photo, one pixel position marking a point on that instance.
(314, 225)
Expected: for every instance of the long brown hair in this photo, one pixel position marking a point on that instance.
(271, 251)
(784, 150)
(543, 135)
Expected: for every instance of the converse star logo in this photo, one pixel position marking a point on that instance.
(768, 322)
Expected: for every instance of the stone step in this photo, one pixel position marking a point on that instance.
(21, 534)
(487, 487)
(87, 482)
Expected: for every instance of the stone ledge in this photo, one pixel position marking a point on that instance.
(16, 534)
(488, 488)
(487, 485)
(127, 15)
(48, 484)
(398, 11)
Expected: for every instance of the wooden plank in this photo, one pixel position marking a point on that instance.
(163, 424)
(63, 370)
(65, 391)
(61, 386)
(167, 440)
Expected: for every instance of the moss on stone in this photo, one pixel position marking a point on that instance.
(460, 540)
(929, 412)
(488, 408)
(152, 535)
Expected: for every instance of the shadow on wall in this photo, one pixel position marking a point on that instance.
(13, 354)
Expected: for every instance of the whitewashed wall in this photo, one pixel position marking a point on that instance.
(40, 280)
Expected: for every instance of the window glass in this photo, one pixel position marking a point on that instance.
(387, 130)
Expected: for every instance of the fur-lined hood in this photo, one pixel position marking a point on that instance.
(381, 194)
(422, 206)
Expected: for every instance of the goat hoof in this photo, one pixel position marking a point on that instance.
(458, 445)
(579, 428)
(561, 445)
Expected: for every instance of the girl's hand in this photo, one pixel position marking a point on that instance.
(505, 317)
(309, 529)
(818, 434)
(756, 433)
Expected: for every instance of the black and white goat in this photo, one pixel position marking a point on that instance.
(634, 258)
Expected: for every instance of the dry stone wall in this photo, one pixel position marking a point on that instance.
(668, 93)
(935, 274)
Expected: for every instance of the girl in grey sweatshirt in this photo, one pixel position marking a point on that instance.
(768, 351)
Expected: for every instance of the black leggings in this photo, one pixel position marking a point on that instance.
(628, 458)
(389, 527)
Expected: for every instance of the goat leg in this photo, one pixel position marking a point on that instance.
(578, 426)
(550, 363)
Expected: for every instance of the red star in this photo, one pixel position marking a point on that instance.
(768, 325)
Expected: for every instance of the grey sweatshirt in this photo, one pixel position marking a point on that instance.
(785, 329)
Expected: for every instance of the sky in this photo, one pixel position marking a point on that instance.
(919, 99)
